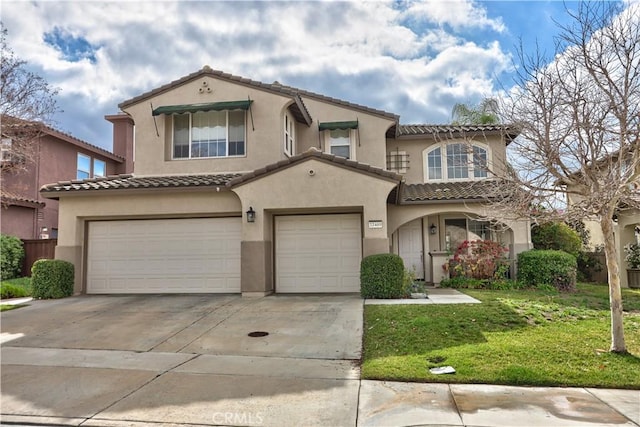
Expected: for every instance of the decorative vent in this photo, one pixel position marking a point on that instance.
(398, 161)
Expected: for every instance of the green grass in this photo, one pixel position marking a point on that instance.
(15, 288)
(7, 307)
(513, 337)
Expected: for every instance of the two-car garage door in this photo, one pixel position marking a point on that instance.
(191, 255)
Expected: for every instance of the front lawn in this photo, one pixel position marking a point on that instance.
(15, 288)
(513, 337)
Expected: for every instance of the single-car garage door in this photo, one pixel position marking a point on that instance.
(318, 253)
(194, 255)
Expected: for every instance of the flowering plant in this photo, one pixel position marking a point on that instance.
(479, 259)
(632, 251)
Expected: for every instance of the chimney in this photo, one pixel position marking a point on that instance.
(123, 140)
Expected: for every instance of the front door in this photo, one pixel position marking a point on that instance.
(410, 247)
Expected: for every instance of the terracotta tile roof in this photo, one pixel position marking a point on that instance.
(228, 180)
(314, 153)
(16, 123)
(510, 131)
(9, 199)
(446, 191)
(120, 182)
(275, 87)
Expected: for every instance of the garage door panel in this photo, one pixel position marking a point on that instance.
(160, 256)
(318, 253)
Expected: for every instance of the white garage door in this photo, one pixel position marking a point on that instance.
(164, 256)
(318, 253)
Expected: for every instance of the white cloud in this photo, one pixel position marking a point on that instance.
(456, 13)
(404, 58)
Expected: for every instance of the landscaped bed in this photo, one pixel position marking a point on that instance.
(513, 337)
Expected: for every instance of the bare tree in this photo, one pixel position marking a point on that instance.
(26, 101)
(578, 155)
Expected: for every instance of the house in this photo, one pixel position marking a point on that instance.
(53, 156)
(627, 220)
(243, 186)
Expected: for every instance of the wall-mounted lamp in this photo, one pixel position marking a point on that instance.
(433, 229)
(251, 215)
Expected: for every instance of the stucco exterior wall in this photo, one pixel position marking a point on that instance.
(55, 160)
(264, 145)
(415, 148)
(369, 138)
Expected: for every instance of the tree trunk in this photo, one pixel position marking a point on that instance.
(615, 294)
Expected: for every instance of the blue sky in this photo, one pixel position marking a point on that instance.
(415, 59)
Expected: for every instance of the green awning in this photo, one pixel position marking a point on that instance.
(338, 125)
(211, 106)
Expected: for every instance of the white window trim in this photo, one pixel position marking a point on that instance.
(443, 157)
(5, 149)
(173, 157)
(82, 170)
(289, 136)
(352, 145)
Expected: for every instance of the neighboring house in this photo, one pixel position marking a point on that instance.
(242, 186)
(626, 227)
(56, 156)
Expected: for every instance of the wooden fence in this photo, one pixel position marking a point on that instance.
(35, 250)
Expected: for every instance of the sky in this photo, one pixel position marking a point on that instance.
(414, 59)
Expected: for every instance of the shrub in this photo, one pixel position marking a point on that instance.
(546, 267)
(556, 236)
(478, 259)
(11, 255)
(383, 276)
(51, 278)
(588, 266)
(632, 255)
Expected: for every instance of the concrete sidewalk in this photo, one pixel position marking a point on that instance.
(123, 388)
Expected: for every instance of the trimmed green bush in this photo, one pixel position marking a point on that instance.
(556, 236)
(383, 276)
(52, 278)
(11, 256)
(547, 268)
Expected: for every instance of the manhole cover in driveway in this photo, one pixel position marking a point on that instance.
(258, 334)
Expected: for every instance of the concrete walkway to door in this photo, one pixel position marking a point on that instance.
(188, 360)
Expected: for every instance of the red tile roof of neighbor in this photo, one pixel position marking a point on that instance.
(18, 123)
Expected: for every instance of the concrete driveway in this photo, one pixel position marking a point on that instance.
(122, 360)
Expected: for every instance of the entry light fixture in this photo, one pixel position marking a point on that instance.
(251, 215)
(433, 229)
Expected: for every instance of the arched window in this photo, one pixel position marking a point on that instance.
(456, 161)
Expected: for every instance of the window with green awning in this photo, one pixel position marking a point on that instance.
(211, 106)
(338, 125)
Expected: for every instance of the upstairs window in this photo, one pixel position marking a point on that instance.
(207, 134)
(456, 162)
(339, 138)
(5, 150)
(99, 168)
(340, 142)
(289, 134)
(83, 167)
